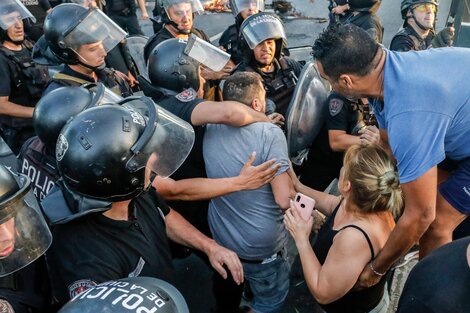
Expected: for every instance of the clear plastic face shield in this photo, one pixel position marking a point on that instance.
(206, 53)
(165, 142)
(180, 10)
(259, 27)
(12, 11)
(96, 30)
(24, 234)
(253, 5)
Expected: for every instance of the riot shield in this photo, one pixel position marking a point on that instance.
(304, 114)
(136, 45)
(7, 157)
(460, 16)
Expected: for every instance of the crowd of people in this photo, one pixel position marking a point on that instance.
(123, 171)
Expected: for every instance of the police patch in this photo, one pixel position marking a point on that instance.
(80, 286)
(187, 95)
(5, 307)
(61, 147)
(335, 106)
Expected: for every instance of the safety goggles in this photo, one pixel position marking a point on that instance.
(425, 7)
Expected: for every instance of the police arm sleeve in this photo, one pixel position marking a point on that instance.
(227, 112)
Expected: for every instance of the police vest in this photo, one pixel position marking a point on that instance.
(39, 166)
(281, 87)
(230, 40)
(418, 42)
(106, 76)
(28, 78)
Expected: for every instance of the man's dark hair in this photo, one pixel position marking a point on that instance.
(345, 49)
(242, 87)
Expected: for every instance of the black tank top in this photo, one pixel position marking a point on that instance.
(354, 301)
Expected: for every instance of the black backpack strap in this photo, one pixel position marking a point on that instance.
(365, 235)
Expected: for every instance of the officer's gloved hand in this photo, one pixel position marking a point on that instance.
(444, 38)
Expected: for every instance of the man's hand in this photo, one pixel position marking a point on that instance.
(254, 177)
(340, 9)
(369, 135)
(444, 38)
(209, 74)
(277, 119)
(144, 16)
(367, 279)
(220, 256)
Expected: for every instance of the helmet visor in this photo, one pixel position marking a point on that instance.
(94, 28)
(24, 233)
(196, 6)
(259, 27)
(240, 5)
(12, 11)
(206, 53)
(165, 142)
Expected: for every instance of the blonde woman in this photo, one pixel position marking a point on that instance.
(360, 222)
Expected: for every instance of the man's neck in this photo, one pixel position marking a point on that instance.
(172, 29)
(119, 211)
(376, 87)
(421, 32)
(84, 70)
(12, 46)
(267, 68)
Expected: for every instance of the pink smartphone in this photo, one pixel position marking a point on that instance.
(304, 205)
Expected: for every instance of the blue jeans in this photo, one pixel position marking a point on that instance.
(269, 283)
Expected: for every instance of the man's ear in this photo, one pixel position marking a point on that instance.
(256, 105)
(346, 81)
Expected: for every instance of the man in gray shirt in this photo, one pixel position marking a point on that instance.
(250, 222)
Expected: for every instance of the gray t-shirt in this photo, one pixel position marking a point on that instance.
(248, 222)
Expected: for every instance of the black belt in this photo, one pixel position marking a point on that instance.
(267, 260)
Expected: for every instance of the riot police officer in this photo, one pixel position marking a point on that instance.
(178, 19)
(81, 39)
(230, 39)
(39, 9)
(361, 13)
(24, 237)
(144, 294)
(22, 80)
(264, 40)
(347, 122)
(37, 156)
(418, 28)
(105, 196)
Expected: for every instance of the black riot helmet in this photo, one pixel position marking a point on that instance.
(108, 152)
(259, 27)
(408, 5)
(25, 235)
(170, 69)
(54, 109)
(127, 295)
(69, 26)
(10, 11)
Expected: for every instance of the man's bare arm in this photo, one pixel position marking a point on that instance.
(283, 190)
(227, 112)
(12, 109)
(191, 189)
(181, 231)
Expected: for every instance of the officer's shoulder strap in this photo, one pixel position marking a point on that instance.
(62, 76)
(13, 64)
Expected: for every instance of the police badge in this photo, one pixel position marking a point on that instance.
(187, 95)
(335, 105)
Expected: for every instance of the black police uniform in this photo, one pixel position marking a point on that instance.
(279, 84)
(230, 40)
(39, 165)
(38, 9)
(323, 164)
(68, 77)
(94, 249)
(165, 34)
(408, 39)
(27, 290)
(182, 105)
(123, 13)
(23, 81)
